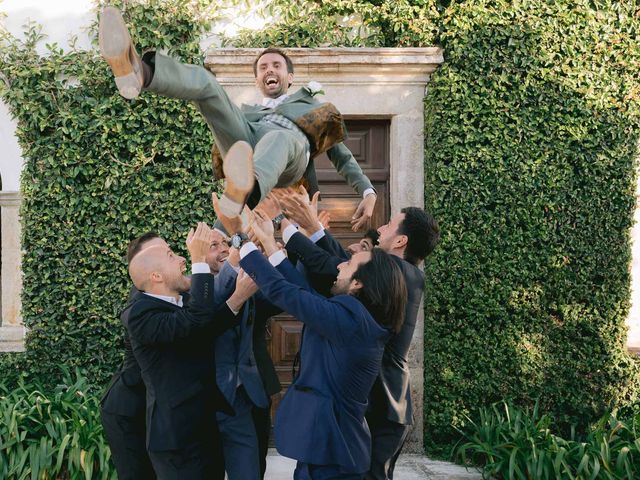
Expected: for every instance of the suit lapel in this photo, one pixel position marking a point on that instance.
(246, 327)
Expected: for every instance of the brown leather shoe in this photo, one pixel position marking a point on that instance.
(117, 49)
(239, 178)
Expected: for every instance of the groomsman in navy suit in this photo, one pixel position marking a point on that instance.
(320, 421)
(239, 378)
(409, 237)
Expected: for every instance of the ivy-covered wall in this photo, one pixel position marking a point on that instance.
(99, 171)
(531, 143)
(532, 139)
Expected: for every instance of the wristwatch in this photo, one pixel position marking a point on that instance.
(238, 239)
(277, 220)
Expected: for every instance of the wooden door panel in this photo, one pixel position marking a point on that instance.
(369, 142)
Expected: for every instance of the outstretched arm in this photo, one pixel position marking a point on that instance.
(348, 168)
(315, 259)
(330, 319)
(331, 245)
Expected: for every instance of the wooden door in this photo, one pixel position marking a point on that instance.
(369, 142)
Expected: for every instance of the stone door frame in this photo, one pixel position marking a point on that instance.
(370, 83)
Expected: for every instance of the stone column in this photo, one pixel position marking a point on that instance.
(11, 328)
(365, 83)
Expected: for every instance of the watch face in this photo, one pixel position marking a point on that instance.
(236, 241)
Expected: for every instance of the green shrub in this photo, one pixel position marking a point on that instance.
(52, 433)
(532, 130)
(513, 443)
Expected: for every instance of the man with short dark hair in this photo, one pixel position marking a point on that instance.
(409, 236)
(265, 146)
(366, 243)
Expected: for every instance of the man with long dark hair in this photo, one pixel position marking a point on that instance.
(409, 237)
(320, 421)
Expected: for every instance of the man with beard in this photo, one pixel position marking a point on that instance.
(265, 146)
(320, 421)
(409, 237)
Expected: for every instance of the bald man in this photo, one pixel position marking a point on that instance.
(172, 336)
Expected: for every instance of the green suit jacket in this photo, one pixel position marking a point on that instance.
(302, 104)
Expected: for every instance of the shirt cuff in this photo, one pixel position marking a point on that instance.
(288, 233)
(200, 267)
(368, 191)
(232, 310)
(247, 248)
(276, 258)
(317, 235)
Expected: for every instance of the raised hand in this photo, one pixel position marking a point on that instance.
(364, 212)
(261, 228)
(245, 288)
(199, 242)
(301, 211)
(270, 205)
(324, 217)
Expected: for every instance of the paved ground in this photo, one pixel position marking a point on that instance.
(409, 467)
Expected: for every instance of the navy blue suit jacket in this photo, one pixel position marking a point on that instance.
(321, 418)
(235, 359)
(391, 394)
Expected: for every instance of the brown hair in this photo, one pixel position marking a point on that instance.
(277, 51)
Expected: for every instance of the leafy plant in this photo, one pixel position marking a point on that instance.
(514, 443)
(53, 433)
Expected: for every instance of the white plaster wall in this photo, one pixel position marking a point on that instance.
(633, 321)
(11, 158)
(60, 20)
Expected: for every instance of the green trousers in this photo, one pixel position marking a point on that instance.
(280, 155)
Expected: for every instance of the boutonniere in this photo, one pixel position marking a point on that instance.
(314, 88)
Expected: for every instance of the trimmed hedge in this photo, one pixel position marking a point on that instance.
(531, 139)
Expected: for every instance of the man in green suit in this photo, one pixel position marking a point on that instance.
(276, 140)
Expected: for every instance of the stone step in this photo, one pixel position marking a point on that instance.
(409, 467)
